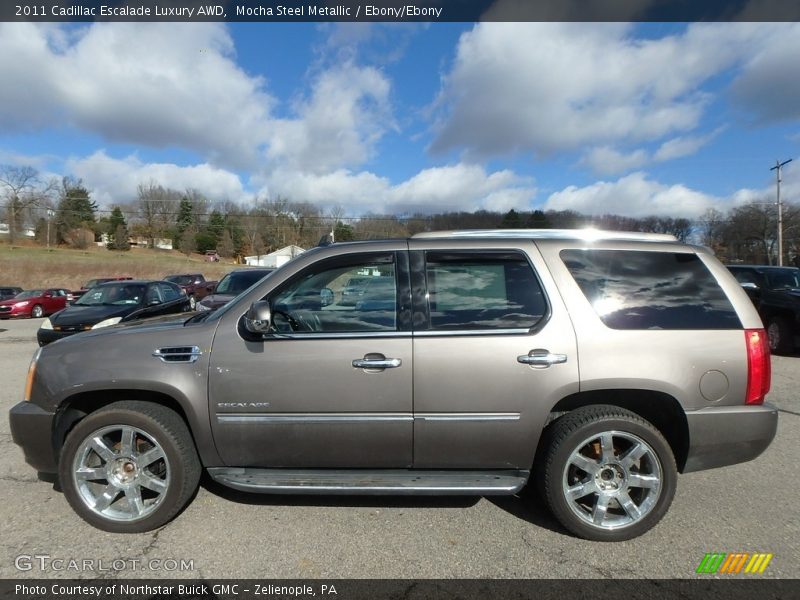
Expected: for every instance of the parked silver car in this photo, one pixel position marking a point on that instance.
(597, 364)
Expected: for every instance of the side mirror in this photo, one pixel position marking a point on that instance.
(258, 318)
(326, 296)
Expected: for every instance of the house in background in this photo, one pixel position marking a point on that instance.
(275, 259)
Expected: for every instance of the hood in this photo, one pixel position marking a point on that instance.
(216, 300)
(13, 301)
(89, 315)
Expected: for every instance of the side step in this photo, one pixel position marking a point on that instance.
(372, 481)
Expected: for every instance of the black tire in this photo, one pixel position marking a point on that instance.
(558, 473)
(780, 335)
(37, 312)
(180, 465)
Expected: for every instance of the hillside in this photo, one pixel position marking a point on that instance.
(33, 266)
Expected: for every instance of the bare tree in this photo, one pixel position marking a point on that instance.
(158, 208)
(18, 185)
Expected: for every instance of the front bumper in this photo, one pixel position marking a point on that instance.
(32, 430)
(727, 435)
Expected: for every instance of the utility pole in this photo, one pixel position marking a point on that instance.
(50, 214)
(777, 169)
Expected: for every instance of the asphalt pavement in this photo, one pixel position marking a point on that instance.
(752, 507)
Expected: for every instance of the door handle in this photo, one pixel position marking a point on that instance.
(542, 358)
(377, 363)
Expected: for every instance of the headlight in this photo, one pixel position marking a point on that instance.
(107, 322)
(47, 324)
(31, 373)
(22, 304)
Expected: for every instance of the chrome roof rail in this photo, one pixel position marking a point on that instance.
(588, 234)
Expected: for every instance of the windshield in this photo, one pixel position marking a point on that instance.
(783, 279)
(237, 282)
(113, 295)
(29, 294)
(180, 279)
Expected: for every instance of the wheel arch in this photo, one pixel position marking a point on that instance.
(74, 408)
(661, 409)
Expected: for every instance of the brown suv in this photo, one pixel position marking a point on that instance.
(597, 364)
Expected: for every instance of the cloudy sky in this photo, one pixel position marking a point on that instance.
(632, 119)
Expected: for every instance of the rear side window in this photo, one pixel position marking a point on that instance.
(631, 289)
(482, 291)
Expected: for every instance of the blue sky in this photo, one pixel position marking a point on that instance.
(632, 119)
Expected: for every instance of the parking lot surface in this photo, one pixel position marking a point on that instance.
(750, 507)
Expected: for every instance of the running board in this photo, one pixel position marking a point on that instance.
(373, 481)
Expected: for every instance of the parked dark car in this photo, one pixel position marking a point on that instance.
(194, 284)
(6, 293)
(74, 295)
(230, 286)
(775, 291)
(111, 303)
(34, 304)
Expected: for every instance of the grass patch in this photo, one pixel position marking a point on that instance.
(34, 267)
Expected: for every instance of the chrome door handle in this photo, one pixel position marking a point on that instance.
(542, 358)
(377, 363)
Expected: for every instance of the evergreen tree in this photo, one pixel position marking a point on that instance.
(343, 232)
(539, 220)
(511, 220)
(185, 220)
(118, 236)
(75, 209)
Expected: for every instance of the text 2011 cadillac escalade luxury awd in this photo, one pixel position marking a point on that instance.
(597, 364)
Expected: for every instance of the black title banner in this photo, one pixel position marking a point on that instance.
(399, 10)
(369, 589)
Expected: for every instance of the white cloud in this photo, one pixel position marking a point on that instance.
(168, 85)
(551, 87)
(769, 86)
(338, 125)
(451, 188)
(683, 146)
(605, 160)
(114, 181)
(633, 195)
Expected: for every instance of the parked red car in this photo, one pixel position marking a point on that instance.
(34, 303)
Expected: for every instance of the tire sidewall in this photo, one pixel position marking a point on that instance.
(560, 454)
(177, 480)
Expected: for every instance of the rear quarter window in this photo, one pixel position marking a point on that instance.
(632, 289)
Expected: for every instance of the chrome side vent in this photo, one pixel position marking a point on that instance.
(178, 354)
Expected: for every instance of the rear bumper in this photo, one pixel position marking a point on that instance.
(727, 435)
(32, 430)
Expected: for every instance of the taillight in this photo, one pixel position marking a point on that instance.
(759, 369)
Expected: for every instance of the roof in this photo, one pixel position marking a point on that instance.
(589, 235)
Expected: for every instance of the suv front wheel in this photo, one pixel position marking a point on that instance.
(129, 467)
(608, 475)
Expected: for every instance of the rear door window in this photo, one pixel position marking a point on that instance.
(631, 289)
(482, 291)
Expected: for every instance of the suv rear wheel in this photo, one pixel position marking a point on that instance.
(608, 475)
(129, 467)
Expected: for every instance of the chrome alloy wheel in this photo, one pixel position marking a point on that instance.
(121, 473)
(612, 479)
